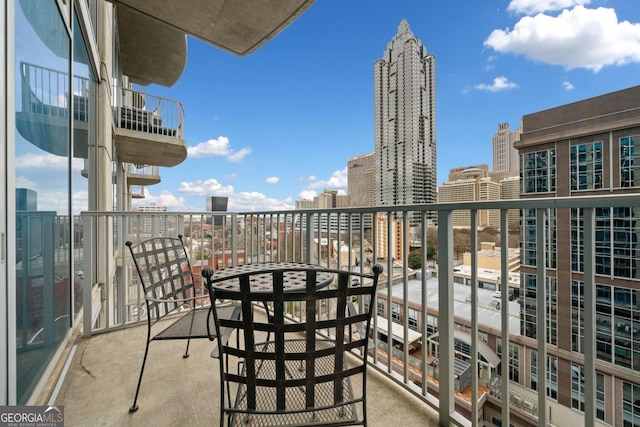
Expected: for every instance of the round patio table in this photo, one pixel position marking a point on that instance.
(227, 278)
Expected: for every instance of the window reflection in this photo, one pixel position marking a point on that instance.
(52, 110)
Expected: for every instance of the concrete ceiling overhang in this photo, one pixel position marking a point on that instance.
(150, 51)
(152, 33)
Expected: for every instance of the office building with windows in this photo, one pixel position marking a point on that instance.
(472, 184)
(584, 148)
(405, 122)
(505, 155)
(361, 180)
(152, 225)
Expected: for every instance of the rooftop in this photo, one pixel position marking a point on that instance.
(488, 315)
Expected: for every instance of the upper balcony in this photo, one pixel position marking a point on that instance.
(149, 129)
(139, 175)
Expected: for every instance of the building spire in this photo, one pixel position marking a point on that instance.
(403, 28)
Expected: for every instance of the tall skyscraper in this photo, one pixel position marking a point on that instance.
(505, 156)
(405, 122)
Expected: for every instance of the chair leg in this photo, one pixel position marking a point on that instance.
(134, 407)
(186, 352)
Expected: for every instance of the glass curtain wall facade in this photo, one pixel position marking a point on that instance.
(49, 170)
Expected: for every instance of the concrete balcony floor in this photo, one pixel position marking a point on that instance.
(100, 383)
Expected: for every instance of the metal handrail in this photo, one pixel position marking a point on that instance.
(148, 113)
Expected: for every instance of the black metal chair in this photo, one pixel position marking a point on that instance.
(303, 374)
(171, 296)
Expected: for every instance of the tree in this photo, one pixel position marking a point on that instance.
(431, 251)
(432, 237)
(415, 260)
(461, 241)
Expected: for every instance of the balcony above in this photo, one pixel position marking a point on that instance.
(149, 129)
(153, 34)
(142, 175)
(137, 192)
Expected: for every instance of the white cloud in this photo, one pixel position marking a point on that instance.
(567, 85)
(80, 201)
(307, 195)
(530, 7)
(499, 84)
(166, 198)
(337, 181)
(218, 147)
(576, 38)
(254, 201)
(239, 156)
(209, 187)
(56, 201)
(273, 180)
(46, 161)
(212, 147)
(24, 182)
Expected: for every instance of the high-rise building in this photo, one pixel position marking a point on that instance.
(362, 185)
(463, 172)
(153, 225)
(361, 180)
(472, 185)
(326, 200)
(390, 237)
(510, 189)
(26, 199)
(330, 199)
(405, 122)
(304, 204)
(505, 156)
(587, 147)
(217, 204)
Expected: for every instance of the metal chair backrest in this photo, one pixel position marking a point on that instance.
(303, 373)
(165, 274)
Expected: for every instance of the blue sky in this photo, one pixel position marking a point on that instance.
(278, 125)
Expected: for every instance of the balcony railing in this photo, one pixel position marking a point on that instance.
(424, 315)
(45, 91)
(142, 112)
(142, 175)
